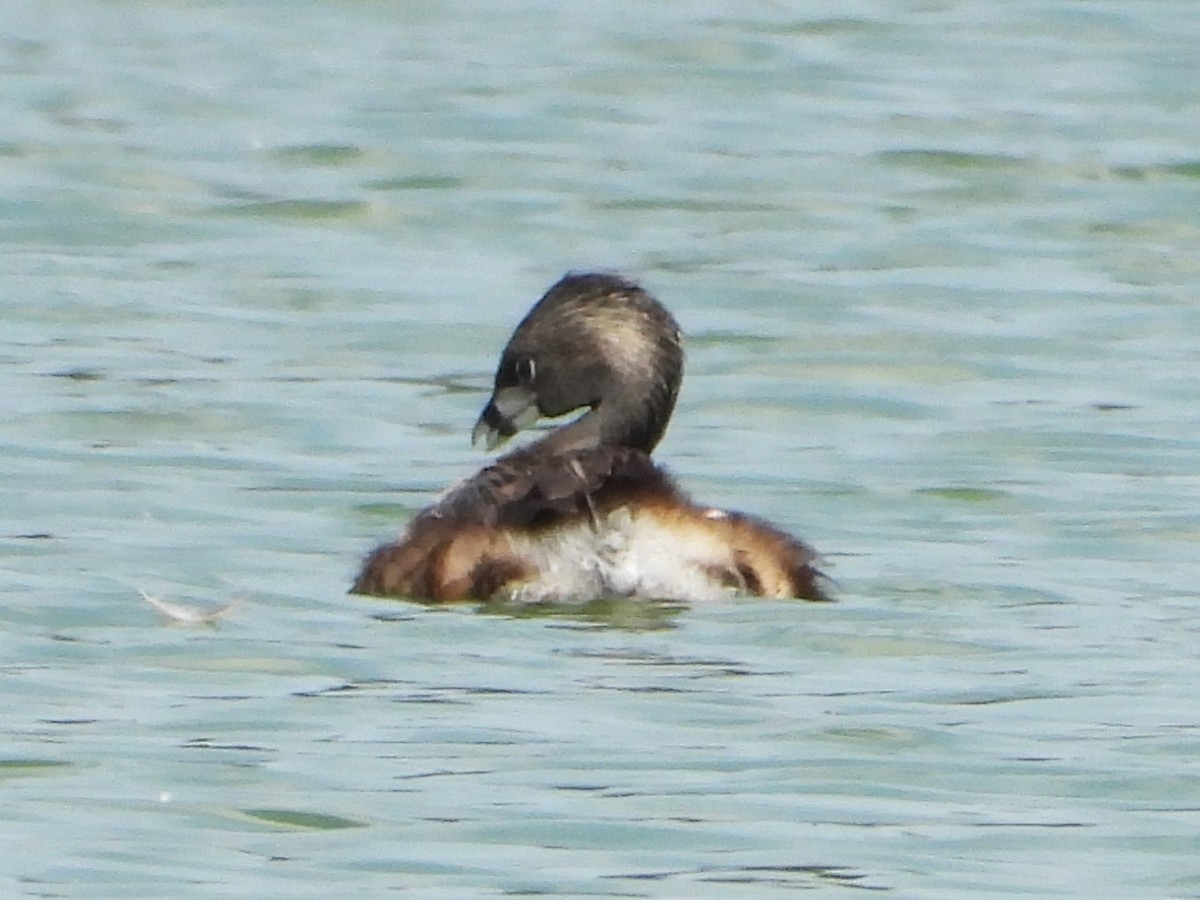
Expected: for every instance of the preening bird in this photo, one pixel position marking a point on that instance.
(584, 512)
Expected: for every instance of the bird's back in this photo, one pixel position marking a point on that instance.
(582, 525)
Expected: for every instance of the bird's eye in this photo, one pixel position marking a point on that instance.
(525, 370)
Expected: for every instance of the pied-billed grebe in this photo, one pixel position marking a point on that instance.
(583, 513)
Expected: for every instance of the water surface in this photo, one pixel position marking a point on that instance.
(937, 264)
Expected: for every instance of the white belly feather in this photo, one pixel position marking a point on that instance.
(625, 554)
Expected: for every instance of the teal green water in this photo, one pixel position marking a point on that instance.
(939, 268)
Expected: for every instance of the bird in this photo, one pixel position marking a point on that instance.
(584, 513)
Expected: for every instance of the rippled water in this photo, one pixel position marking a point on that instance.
(938, 266)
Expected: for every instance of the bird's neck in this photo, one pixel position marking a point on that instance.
(623, 421)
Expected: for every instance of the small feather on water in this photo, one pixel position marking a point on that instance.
(186, 615)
